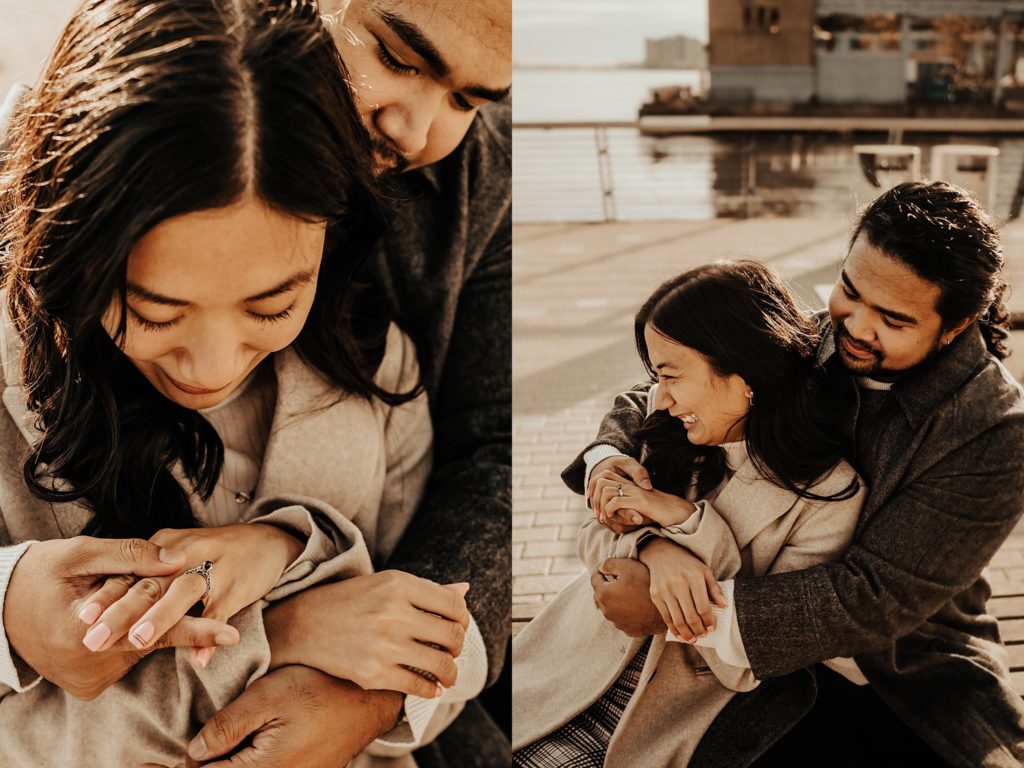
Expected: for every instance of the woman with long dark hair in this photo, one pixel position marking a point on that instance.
(746, 476)
(191, 357)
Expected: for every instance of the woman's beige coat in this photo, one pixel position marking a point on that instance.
(345, 473)
(569, 655)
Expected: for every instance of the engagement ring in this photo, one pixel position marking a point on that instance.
(204, 571)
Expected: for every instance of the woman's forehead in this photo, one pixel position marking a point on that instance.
(225, 254)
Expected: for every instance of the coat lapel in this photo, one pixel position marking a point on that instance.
(749, 516)
(309, 435)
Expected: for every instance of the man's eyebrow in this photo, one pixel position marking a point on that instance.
(413, 37)
(299, 278)
(899, 316)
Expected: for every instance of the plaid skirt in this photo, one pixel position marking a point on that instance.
(583, 741)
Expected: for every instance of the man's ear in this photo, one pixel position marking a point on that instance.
(953, 331)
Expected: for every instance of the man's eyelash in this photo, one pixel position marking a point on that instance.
(463, 105)
(391, 62)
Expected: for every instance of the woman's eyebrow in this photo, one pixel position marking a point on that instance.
(299, 278)
(154, 298)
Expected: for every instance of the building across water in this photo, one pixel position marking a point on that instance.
(676, 52)
(883, 52)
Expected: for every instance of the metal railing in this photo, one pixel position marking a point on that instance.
(610, 171)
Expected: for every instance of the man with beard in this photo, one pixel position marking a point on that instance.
(911, 348)
(431, 82)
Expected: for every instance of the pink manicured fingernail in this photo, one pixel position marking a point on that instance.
(90, 613)
(142, 634)
(224, 638)
(439, 692)
(203, 656)
(96, 637)
(637, 519)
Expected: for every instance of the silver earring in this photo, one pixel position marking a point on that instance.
(750, 394)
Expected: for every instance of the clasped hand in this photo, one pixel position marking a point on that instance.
(248, 560)
(47, 636)
(379, 630)
(623, 499)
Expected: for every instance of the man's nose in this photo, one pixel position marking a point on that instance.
(858, 325)
(407, 123)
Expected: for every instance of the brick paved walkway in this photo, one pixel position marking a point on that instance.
(576, 289)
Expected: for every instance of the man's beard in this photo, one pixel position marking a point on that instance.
(875, 368)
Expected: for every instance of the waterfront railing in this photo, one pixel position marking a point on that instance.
(611, 171)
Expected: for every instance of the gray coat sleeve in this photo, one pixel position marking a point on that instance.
(461, 530)
(617, 429)
(923, 546)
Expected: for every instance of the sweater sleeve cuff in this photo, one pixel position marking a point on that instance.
(13, 672)
(595, 456)
(472, 674)
(725, 639)
(301, 523)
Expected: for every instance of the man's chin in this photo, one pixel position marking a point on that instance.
(859, 366)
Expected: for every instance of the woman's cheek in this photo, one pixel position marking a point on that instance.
(142, 345)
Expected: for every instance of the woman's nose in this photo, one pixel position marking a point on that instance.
(211, 362)
(662, 400)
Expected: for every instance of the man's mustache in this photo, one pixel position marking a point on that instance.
(394, 159)
(845, 334)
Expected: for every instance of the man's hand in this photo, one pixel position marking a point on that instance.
(370, 629)
(622, 593)
(295, 716)
(50, 585)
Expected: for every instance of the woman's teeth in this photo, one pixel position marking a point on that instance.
(689, 418)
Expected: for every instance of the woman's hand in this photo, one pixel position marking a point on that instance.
(621, 498)
(53, 575)
(681, 586)
(248, 560)
(374, 630)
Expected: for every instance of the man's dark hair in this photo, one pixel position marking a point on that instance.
(941, 233)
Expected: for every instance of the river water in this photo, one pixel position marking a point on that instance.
(556, 174)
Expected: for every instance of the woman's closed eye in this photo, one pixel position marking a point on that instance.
(261, 318)
(152, 325)
(275, 317)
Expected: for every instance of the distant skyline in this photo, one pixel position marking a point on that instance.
(599, 32)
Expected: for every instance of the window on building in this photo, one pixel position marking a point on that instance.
(748, 17)
(773, 21)
(761, 16)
